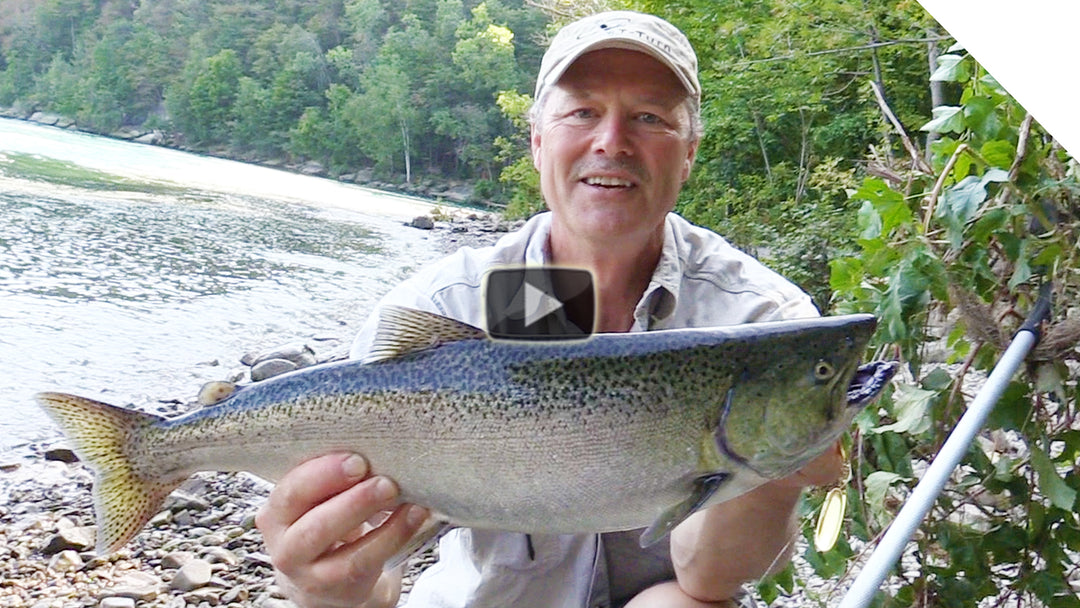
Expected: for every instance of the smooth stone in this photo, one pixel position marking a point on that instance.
(422, 222)
(177, 559)
(78, 538)
(220, 555)
(271, 368)
(192, 575)
(299, 353)
(183, 501)
(139, 586)
(61, 455)
(65, 560)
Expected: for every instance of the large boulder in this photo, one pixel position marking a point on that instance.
(45, 118)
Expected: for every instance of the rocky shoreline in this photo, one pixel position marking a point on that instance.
(202, 550)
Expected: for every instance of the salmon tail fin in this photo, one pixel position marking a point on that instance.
(102, 434)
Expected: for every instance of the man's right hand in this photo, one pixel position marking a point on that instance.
(317, 532)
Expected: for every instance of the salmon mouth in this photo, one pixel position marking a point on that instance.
(869, 380)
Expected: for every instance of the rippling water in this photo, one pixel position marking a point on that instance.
(131, 286)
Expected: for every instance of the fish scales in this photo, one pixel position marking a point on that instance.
(612, 433)
(456, 433)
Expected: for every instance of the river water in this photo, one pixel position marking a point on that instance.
(133, 273)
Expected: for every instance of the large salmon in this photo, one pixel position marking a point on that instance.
(616, 432)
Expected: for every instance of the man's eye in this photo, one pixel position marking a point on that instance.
(650, 119)
(582, 113)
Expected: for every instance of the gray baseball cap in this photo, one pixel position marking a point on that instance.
(621, 30)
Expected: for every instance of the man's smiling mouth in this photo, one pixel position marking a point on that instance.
(608, 182)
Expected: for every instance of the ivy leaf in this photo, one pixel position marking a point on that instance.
(989, 81)
(869, 221)
(947, 119)
(963, 199)
(888, 203)
(845, 274)
(1011, 244)
(877, 484)
(937, 380)
(1021, 273)
(1050, 483)
(958, 205)
(1013, 408)
(989, 223)
(980, 116)
(998, 153)
(951, 68)
(995, 174)
(911, 404)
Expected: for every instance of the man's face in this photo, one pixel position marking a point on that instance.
(613, 145)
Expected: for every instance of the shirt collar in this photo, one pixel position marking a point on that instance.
(537, 249)
(661, 296)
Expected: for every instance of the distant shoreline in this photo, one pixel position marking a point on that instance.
(432, 189)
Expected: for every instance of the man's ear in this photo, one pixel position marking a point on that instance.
(534, 145)
(688, 163)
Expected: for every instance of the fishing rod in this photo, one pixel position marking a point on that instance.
(922, 497)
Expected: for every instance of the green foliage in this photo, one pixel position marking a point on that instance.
(212, 96)
(969, 240)
(519, 176)
(526, 199)
(350, 83)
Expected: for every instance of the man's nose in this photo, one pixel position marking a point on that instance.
(612, 136)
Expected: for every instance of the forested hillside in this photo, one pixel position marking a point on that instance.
(403, 87)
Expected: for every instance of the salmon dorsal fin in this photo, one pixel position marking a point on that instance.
(402, 331)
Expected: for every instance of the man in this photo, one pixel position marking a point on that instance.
(615, 128)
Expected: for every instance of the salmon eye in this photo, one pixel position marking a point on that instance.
(823, 370)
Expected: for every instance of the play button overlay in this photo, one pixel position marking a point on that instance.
(539, 303)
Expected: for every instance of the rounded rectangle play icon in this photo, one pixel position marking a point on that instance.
(539, 303)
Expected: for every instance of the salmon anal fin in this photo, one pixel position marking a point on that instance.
(427, 535)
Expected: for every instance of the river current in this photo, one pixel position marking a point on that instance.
(132, 274)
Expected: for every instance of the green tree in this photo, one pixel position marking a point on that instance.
(110, 93)
(252, 117)
(484, 52)
(518, 175)
(63, 86)
(59, 24)
(367, 21)
(148, 58)
(213, 93)
(332, 135)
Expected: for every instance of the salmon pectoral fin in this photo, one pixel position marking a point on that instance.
(428, 534)
(704, 487)
(101, 434)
